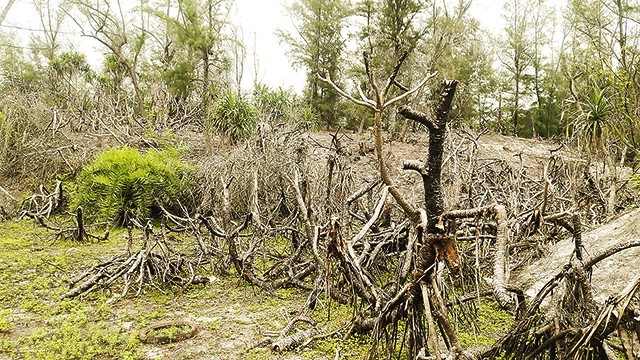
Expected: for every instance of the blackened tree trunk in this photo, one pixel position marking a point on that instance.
(431, 172)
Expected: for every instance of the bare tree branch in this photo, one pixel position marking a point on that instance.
(372, 80)
(416, 115)
(394, 74)
(415, 165)
(364, 97)
(343, 93)
(418, 87)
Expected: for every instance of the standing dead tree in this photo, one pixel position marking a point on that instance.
(434, 243)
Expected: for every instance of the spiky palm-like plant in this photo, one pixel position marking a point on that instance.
(234, 117)
(592, 122)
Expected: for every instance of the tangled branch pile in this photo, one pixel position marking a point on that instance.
(287, 210)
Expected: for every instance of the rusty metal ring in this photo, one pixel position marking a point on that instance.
(183, 335)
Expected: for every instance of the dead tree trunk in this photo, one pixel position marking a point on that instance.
(433, 243)
(431, 172)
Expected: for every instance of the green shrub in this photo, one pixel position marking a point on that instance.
(234, 117)
(123, 183)
(275, 105)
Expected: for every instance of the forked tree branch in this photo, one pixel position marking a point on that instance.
(327, 79)
(410, 92)
(394, 74)
(372, 80)
(378, 106)
(364, 97)
(416, 115)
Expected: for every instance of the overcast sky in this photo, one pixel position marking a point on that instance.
(259, 20)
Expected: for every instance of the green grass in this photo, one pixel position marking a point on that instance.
(34, 322)
(490, 322)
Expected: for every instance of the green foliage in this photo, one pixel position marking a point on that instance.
(489, 323)
(307, 119)
(16, 71)
(197, 44)
(233, 117)
(69, 62)
(398, 25)
(179, 79)
(5, 324)
(114, 73)
(318, 46)
(274, 104)
(123, 183)
(593, 121)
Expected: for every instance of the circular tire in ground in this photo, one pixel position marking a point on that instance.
(146, 338)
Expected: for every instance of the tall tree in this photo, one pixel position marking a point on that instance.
(543, 25)
(601, 66)
(51, 18)
(457, 48)
(317, 45)
(392, 30)
(400, 27)
(516, 53)
(199, 27)
(105, 21)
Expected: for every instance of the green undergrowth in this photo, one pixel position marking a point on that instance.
(35, 323)
(489, 323)
(124, 183)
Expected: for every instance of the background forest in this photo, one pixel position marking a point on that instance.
(562, 72)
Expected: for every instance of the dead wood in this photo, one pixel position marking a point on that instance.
(153, 265)
(583, 328)
(8, 194)
(77, 232)
(367, 187)
(147, 337)
(44, 203)
(500, 265)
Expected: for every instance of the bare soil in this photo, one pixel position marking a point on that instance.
(609, 276)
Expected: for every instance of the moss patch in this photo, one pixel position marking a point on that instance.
(490, 323)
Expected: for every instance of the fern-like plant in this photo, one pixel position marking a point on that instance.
(123, 183)
(234, 117)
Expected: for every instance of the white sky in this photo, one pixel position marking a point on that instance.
(259, 20)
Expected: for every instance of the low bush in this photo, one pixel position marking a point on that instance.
(123, 183)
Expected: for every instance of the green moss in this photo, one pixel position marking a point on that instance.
(35, 270)
(491, 321)
(74, 337)
(6, 323)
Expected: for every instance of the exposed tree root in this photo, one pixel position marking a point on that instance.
(151, 266)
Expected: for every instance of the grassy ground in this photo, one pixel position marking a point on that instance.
(35, 323)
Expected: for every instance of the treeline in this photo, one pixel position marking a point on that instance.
(555, 70)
